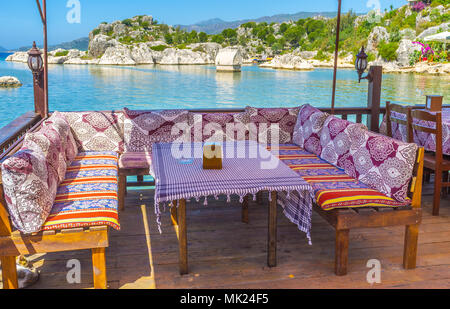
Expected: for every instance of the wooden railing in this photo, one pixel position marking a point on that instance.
(12, 134)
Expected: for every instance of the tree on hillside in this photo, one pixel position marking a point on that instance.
(203, 37)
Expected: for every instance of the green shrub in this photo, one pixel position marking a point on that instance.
(182, 46)
(322, 56)
(62, 54)
(96, 32)
(159, 48)
(126, 40)
(145, 24)
(127, 22)
(388, 51)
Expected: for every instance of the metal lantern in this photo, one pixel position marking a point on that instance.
(35, 62)
(361, 63)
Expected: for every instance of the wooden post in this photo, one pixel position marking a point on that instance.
(9, 272)
(341, 252)
(272, 237)
(99, 268)
(173, 213)
(374, 97)
(245, 210)
(39, 96)
(122, 191)
(182, 237)
(410, 246)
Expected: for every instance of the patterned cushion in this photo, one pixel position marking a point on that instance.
(129, 160)
(263, 118)
(382, 163)
(308, 127)
(48, 142)
(333, 188)
(88, 195)
(338, 136)
(59, 122)
(29, 188)
(97, 131)
(143, 128)
(215, 127)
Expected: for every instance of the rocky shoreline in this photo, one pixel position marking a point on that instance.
(9, 82)
(142, 54)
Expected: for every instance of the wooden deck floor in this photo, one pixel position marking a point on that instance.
(225, 253)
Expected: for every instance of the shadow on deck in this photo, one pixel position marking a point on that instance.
(225, 253)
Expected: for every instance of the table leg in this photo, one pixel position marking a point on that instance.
(272, 241)
(245, 210)
(173, 213)
(182, 237)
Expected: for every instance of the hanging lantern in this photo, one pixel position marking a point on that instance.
(361, 63)
(35, 62)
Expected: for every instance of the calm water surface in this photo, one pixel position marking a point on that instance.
(80, 87)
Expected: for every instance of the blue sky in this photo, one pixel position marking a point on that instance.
(20, 22)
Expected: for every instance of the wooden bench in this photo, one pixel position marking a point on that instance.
(13, 243)
(343, 220)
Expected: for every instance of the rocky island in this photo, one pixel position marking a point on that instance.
(9, 82)
(305, 44)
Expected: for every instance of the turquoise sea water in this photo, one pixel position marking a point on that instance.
(79, 87)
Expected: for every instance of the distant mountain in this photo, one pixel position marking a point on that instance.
(80, 44)
(217, 25)
(2, 49)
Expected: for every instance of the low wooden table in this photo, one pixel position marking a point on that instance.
(255, 170)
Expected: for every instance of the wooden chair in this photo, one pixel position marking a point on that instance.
(401, 109)
(436, 162)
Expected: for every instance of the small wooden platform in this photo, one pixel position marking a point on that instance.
(226, 253)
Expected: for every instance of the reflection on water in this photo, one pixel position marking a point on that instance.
(81, 87)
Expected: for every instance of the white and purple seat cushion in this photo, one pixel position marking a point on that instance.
(88, 195)
(143, 128)
(219, 127)
(59, 122)
(29, 184)
(308, 128)
(333, 188)
(338, 137)
(97, 131)
(380, 162)
(263, 118)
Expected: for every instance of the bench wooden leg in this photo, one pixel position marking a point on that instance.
(122, 191)
(245, 210)
(9, 272)
(182, 237)
(259, 198)
(341, 253)
(410, 247)
(99, 268)
(437, 192)
(173, 213)
(272, 243)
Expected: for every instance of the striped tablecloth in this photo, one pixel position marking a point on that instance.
(247, 169)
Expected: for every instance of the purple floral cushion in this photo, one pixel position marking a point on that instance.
(308, 128)
(338, 136)
(143, 128)
(48, 142)
(220, 127)
(263, 118)
(59, 122)
(29, 188)
(382, 163)
(97, 131)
